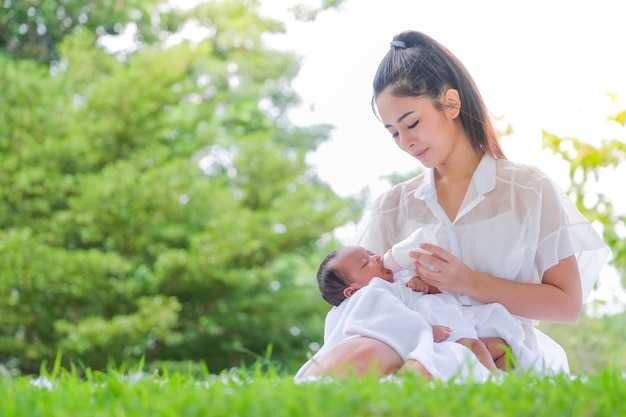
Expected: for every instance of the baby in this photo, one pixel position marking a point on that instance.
(348, 269)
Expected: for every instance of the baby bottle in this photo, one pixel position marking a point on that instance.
(397, 258)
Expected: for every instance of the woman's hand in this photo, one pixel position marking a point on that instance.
(442, 270)
(557, 298)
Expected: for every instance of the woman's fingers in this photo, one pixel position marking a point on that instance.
(440, 268)
(434, 259)
(429, 276)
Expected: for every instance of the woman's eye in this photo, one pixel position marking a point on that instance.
(394, 135)
(413, 125)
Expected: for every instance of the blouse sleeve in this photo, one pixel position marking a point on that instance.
(394, 215)
(564, 232)
(377, 232)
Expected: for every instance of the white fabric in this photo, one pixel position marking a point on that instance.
(374, 311)
(485, 320)
(514, 223)
(406, 326)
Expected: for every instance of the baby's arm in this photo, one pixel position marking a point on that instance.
(441, 333)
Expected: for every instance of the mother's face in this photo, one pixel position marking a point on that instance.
(419, 126)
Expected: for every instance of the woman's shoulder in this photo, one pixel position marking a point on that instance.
(520, 174)
(506, 165)
(401, 190)
(530, 183)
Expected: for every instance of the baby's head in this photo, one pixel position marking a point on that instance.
(347, 269)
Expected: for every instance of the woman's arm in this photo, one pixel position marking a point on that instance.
(558, 298)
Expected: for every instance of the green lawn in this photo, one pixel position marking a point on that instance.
(256, 393)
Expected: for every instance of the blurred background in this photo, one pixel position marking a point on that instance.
(173, 172)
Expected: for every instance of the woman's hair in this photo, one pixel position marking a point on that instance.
(331, 280)
(417, 65)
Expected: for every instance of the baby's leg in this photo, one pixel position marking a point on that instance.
(498, 349)
(480, 350)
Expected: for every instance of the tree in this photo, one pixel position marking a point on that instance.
(587, 163)
(159, 204)
(595, 342)
(33, 29)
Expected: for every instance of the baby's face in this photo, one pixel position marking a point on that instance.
(362, 265)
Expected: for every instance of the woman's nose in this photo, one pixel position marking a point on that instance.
(405, 140)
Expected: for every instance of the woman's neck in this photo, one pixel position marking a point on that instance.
(458, 168)
(452, 181)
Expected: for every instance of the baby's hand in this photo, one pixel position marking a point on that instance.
(441, 333)
(416, 284)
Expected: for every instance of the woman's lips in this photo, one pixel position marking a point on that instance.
(421, 154)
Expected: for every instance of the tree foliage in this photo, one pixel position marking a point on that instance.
(32, 29)
(588, 163)
(156, 203)
(595, 342)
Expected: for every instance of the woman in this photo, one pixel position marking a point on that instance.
(506, 233)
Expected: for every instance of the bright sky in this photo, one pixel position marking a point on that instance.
(540, 64)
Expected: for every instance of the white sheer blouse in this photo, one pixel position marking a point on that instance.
(514, 223)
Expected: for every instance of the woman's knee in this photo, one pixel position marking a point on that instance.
(356, 357)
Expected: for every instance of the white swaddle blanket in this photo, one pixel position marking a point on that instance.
(475, 321)
(385, 311)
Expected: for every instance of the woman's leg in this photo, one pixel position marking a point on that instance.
(413, 366)
(356, 356)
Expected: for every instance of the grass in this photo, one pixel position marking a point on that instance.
(256, 392)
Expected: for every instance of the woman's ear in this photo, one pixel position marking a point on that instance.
(452, 103)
